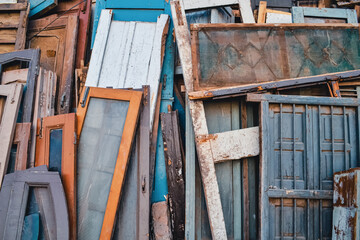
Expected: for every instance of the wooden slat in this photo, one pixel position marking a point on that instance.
(21, 139)
(174, 157)
(14, 76)
(262, 12)
(233, 145)
(198, 4)
(300, 13)
(247, 15)
(207, 167)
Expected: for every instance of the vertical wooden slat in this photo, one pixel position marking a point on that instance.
(262, 12)
(245, 174)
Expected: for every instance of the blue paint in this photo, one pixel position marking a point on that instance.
(55, 150)
(160, 189)
(40, 6)
(31, 227)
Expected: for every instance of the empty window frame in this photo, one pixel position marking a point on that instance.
(14, 197)
(55, 147)
(323, 15)
(106, 123)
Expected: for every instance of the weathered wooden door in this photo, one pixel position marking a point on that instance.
(305, 140)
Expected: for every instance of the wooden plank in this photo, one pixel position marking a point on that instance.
(14, 76)
(45, 125)
(199, 4)
(233, 145)
(278, 17)
(307, 194)
(245, 177)
(22, 29)
(300, 13)
(141, 52)
(345, 77)
(174, 157)
(39, 8)
(246, 13)
(21, 139)
(211, 188)
(262, 12)
(13, 95)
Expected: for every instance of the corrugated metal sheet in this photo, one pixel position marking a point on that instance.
(305, 140)
(128, 55)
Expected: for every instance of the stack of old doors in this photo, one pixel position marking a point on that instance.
(273, 180)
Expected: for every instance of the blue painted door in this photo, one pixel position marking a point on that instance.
(305, 140)
(38, 7)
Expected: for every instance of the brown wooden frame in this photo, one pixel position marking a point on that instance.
(23, 9)
(134, 98)
(66, 122)
(65, 66)
(13, 95)
(21, 139)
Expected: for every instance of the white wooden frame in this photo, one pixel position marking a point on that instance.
(13, 93)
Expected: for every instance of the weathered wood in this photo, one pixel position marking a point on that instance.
(66, 123)
(140, 60)
(13, 95)
(345, 77)
(174, 158)
(206, 162)
(278, 17)
(14, 76)
(58, 47)
(32, 56)
(247, 15)
(39, 8)
(21, 139)
(14, 19)
(200, 4)
(300, 14)
(262, 12)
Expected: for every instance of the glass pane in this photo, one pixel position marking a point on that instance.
(97, 153)
(33, 227)
(55, 150)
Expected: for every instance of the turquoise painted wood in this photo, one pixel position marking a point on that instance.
(305, 140)
(38, 7)
(299, 14)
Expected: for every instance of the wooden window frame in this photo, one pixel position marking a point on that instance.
(299, 14)
(67, 65)
(13, 95)
(14, 198)
(134, 98)
(66, 122)
(21, 139)
(32, 56)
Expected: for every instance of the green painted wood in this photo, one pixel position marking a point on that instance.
(299, 14)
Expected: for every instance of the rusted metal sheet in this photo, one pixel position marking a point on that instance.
(239, 54)
(58, 48)
(346, 202)
(304, 140)
(13, 24)
(14, 198)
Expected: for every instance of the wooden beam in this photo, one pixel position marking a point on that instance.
(247, 15)
(207, 166)
(233, 145)
(262, 12)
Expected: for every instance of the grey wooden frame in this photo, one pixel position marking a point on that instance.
(32, 56)
(265, 191)
(14, 197)
(13, 95)
(299, 14)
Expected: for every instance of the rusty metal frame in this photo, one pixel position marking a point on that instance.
(66, 67)
(66, 122)
(134, 98)
(32, 56)
(210, 147)
(14, 197)
(9, 114)
(21, 139)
